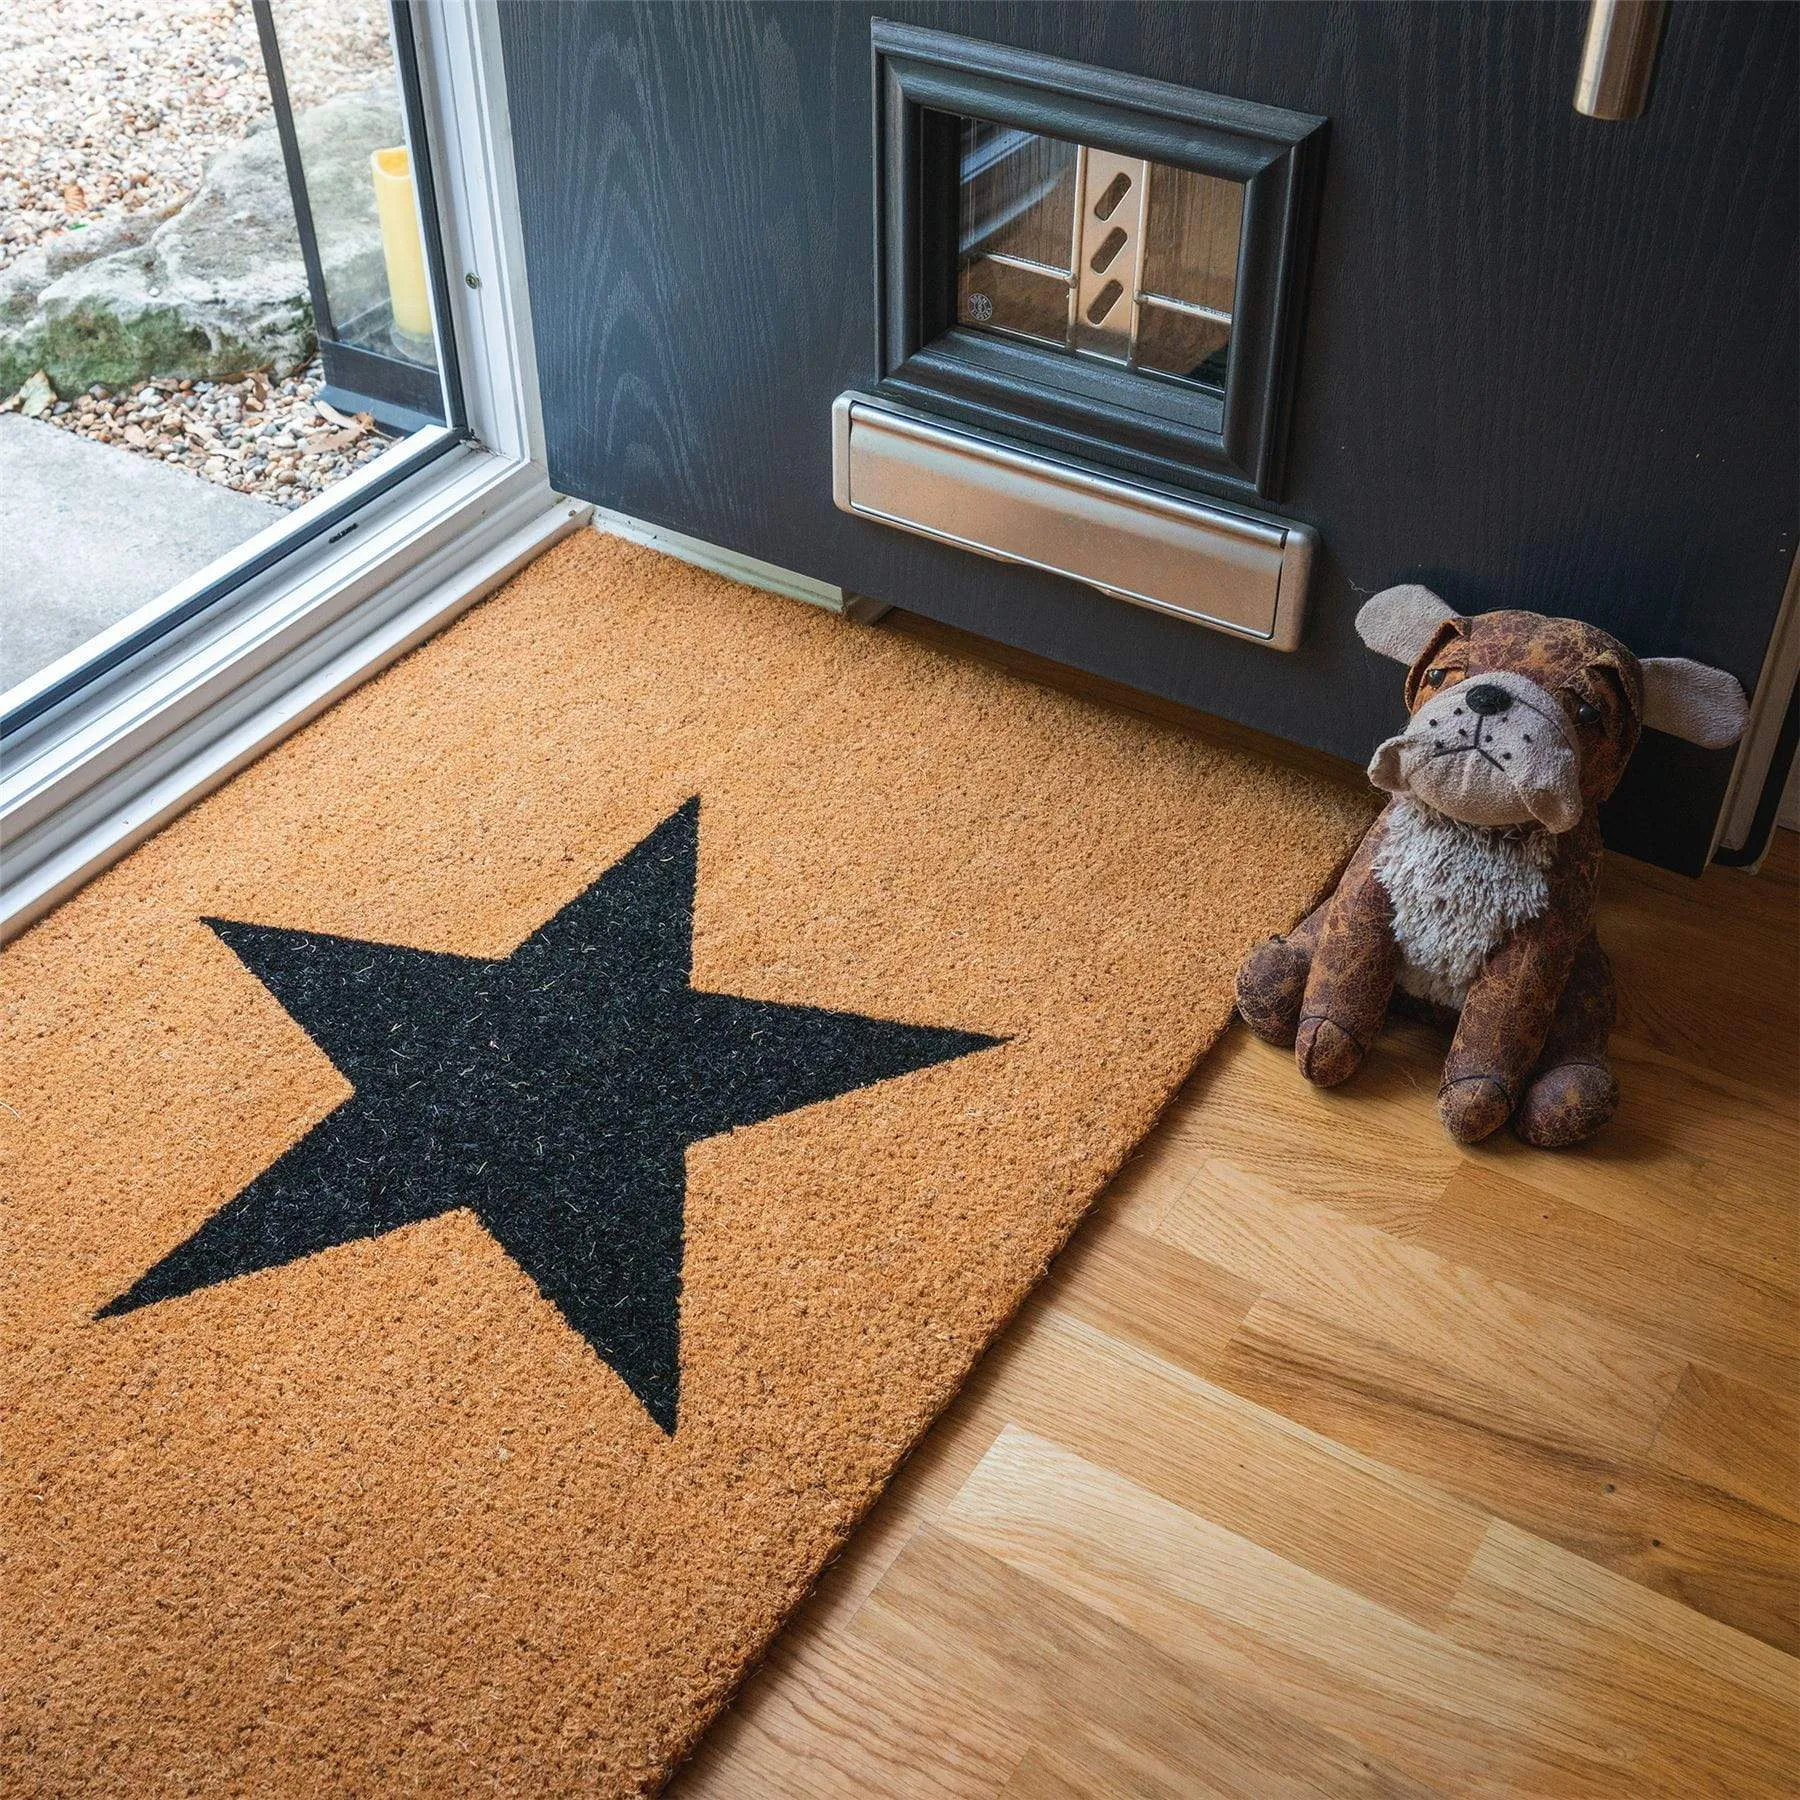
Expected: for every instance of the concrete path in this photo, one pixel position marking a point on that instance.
(90, 532)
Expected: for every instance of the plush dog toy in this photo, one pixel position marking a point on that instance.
(1471, 898)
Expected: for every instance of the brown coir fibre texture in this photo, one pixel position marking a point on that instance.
(380, 1520)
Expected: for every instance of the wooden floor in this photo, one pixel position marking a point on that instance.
(1334, 1459)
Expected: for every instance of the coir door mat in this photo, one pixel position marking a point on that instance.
(495, 1190)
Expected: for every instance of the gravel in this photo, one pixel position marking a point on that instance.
(115, 106)
(112, 106)
(274, 439)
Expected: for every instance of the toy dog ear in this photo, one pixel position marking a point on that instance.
(1689, 700)
(1401, 621)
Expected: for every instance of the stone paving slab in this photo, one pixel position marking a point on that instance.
(89, 533)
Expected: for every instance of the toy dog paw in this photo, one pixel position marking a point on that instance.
(1326, 1053)
(1566, 1104)
(1473, 1107)
(1270, 986)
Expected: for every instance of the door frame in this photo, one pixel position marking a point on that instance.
(423, 537)
(1747, 814)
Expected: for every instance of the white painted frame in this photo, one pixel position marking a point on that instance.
(94, 776)
(1762, 734)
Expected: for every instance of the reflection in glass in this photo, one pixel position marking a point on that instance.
(1100, 255)
(1191, 239)
(1182, 344)
(1005, 296)
(1018, 195)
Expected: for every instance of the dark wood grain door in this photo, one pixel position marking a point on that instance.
(1531, 358)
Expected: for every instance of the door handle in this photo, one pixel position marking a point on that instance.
(1618, 60)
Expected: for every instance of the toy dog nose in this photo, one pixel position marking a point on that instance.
(1486, 698)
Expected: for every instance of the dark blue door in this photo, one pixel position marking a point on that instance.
(1533, 359)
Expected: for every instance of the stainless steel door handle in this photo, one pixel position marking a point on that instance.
(1618, 61)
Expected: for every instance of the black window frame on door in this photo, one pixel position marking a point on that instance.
(924, 82)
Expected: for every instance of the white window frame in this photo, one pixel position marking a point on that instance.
(1737, 823)
(98, 773)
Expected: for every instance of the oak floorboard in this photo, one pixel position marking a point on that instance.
(1091, 1691)
(1100, 1763)
(1403, 1542)
(1043, 1775)
(1741, 1438)
(1212, 1599)
(1647, 930)
(1373, 1148)
(1691, 1540)
(1691, 1160)
(1125, 1283)
(1719, 1713)
(1570, 1254)
(1461, 1338)
(1706, 1168)
(839, 1720)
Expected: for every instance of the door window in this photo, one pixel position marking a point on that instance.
(1096, 254)
(1094, 262)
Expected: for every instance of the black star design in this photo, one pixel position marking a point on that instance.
(553, 1092)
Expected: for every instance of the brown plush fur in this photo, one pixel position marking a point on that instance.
(1529, 1038)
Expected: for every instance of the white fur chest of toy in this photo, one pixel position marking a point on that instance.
(1457, 890)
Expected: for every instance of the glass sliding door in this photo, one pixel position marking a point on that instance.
(221, 312)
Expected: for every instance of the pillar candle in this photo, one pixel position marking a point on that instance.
(400, 242)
